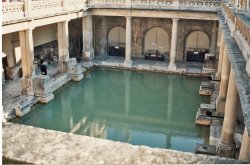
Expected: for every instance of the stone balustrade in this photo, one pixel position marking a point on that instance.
(13, 11)
(229, 13)
(107, 3)
(239, 24)
(211, 5)
(244, 29)
(159, 4)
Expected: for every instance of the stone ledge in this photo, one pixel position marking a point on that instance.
(40, 146)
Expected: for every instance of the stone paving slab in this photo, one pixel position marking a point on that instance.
(29, 144)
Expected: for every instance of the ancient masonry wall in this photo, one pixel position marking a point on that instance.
(102, 25)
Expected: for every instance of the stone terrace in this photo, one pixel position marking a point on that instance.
(26, 144)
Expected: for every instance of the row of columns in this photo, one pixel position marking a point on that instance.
(26, 40)
(173, 50)
(228, 103)
(27, 50)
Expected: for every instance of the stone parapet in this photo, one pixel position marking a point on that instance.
(42, 89)
(17, 11)
(74, 70)
(41, 146)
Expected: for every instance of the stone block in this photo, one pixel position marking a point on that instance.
(226, 150)
(46, 99)
(206, 88)
(205, 149)
(41, 85)
(220, 106)
(22, 107)
(27, 86)
(74, 70)
(172, 67)
(127, 64)
(208, 71)
(77, 77)
(43, 89)
(71, 62)
(143, 67)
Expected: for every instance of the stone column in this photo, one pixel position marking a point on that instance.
(128, 61)
(245, 147)
(248, 7)
(7, 49)
(27, 50)
(27, 7)
(213, 39)
(226, 146)
(172, 65)
(103, 38)
(222, 46)
(63, 44)
(87, 36)
(220, 103)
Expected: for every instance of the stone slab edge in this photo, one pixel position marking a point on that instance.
(40, 146)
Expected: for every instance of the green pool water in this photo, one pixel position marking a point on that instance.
(155, 110)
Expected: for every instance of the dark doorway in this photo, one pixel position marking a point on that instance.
(195, 56)
(116, 51)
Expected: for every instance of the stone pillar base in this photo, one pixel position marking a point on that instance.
(172, 67)
(78, 77)
(62, 66)
(27, 86)
(42, 89)
(74, 70)
(225, 150)
(88, 55)
(46, 99)
(220, 105)
(10, 73)
(218, 76)
(127, 63)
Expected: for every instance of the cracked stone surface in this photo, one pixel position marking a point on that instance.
(40, 146)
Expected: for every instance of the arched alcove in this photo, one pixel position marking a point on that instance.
(196, 45)
(157, 39)
(117, 41)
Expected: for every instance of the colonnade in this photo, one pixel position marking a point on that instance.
(27, 49)
(228, 103)
(173, 51)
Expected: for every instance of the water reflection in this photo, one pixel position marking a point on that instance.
(138, 108)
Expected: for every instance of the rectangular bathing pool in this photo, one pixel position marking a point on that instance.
(155, 110)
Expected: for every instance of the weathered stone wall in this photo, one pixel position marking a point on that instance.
(102, 26)
(141, 25)
(185, 27)
(26, 144)
(75, 37)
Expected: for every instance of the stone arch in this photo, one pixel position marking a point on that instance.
(157, 38)
(117, 41)
(196, 42)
